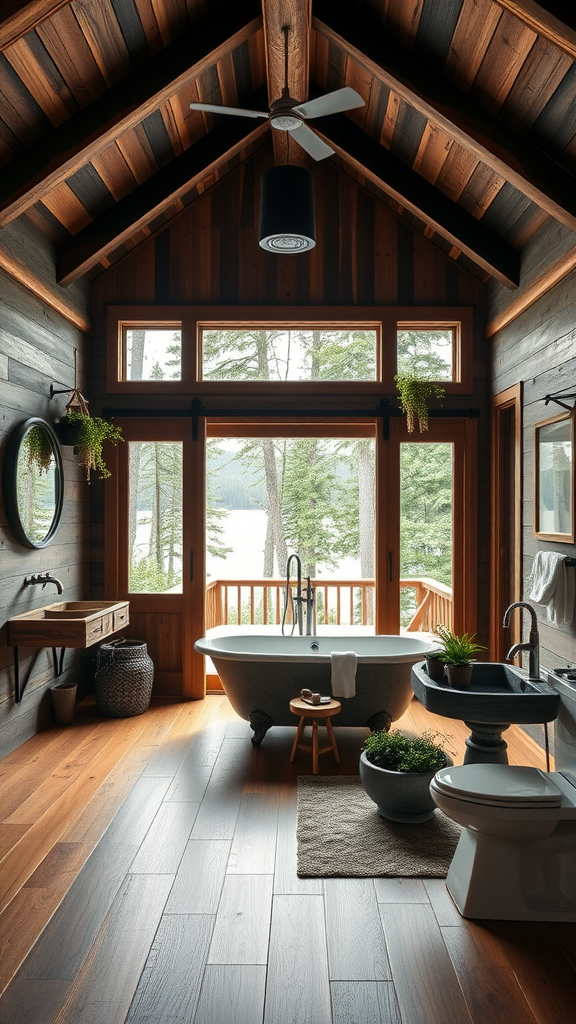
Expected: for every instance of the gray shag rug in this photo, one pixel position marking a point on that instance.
(341, 834)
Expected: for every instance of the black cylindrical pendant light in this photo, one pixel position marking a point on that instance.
(287, 210)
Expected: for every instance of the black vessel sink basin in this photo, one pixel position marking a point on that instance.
(498, 693)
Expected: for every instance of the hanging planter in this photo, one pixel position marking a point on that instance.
(414, 394)
(87, 434)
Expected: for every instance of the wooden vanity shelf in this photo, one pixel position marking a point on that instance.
(64, 624)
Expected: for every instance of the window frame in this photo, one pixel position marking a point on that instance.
(191, 320)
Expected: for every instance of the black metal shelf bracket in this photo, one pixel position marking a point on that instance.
(19, 687)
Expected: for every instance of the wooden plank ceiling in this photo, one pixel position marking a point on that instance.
(469, 127)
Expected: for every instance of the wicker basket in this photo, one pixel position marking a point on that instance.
(124, 678)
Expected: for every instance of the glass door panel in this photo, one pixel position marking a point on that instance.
(155, 517)
(426, 535)
(271, 496)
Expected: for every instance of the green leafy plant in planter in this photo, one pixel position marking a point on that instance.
(93, 431)
(414, 394)
(459, 653)
(396, 771)
(87, 433)
(399, 753)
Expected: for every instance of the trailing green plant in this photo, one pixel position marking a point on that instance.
(414, 393)
(93, 432)
(457, 650)
(37, 447)
(399, 753)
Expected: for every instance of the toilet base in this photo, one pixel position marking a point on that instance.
(494, 879)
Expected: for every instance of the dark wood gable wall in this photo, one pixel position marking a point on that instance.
(37, 349)
(364, 255)
(539, 349)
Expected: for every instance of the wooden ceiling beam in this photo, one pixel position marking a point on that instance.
(530, 170)
(544, 23)
(74, 143)
(154, 196)
(417, 195)
(297, 14)
(18, 17)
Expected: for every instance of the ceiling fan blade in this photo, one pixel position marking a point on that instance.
(212, 108)
(331, 103)
(311, 143)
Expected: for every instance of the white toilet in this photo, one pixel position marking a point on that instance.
(516, 857)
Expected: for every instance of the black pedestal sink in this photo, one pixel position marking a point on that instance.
(499, 696)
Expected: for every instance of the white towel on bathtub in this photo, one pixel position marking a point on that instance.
(343, 673)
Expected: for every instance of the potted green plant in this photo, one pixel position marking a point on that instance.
(458, 653)
(414, 393)
(87, 434)
(396, 771)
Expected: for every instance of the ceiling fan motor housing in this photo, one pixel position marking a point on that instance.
(287, 223)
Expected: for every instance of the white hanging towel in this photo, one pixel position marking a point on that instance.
(552, 585)
(343, 673)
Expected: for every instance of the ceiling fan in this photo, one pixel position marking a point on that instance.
(287, 115)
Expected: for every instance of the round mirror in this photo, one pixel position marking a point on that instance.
(33, 483)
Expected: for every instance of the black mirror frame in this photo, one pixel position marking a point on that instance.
(9, 487)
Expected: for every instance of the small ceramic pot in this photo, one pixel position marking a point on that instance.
(459, 676)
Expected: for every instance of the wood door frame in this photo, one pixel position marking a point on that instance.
(462, 433)
(190, 683)
(500, 642)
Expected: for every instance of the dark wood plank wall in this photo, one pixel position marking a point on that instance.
(365, 255)
(539, 348)
(36, 349)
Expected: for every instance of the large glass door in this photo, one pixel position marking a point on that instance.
(426, 539)
(280, 488)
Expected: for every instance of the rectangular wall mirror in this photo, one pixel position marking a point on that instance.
(554, 479)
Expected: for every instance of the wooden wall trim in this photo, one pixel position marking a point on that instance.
(542, 22)
(25, 277)
(510, 398)
(542, 284)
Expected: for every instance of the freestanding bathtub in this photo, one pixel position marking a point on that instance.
(260, 675)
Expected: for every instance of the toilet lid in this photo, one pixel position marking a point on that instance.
(501, 784)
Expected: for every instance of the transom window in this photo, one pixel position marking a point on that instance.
(428, 351)
(295, 354)
(151, 353)
(235, 349)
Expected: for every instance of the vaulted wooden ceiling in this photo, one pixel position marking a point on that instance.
(469, 127)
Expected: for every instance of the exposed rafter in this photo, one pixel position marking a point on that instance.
(544, 23)
(532, 172)
(419, 197)
(146, 202)
(297, 14)
(17, 17)
(78, 140)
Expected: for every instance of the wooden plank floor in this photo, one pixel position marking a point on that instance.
(148, 875)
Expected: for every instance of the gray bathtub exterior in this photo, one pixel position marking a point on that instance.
(260, 683)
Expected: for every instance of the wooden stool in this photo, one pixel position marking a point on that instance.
(315, 712)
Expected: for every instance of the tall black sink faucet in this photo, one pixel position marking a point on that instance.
(533, 645)
(31, 581)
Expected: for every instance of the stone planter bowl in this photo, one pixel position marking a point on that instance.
(399, 796)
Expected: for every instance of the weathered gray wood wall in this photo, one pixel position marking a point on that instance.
(539, 348)
(37, 349)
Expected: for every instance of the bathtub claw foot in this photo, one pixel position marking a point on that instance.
(260, 722)
(380, 722)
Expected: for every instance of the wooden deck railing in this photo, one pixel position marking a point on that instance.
(338, 602)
